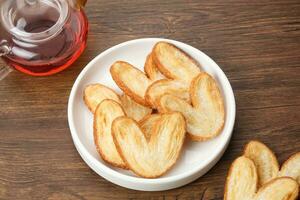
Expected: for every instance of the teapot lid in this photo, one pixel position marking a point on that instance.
(18, 17)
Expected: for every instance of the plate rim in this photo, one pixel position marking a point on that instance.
(139, 180)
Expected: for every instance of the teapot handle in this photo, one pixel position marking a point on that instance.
(80, 3)
(4, 71)
(4, 50)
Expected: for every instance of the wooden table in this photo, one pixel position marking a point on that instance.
(257, 44)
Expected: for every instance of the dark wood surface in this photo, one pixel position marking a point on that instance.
(257, 44)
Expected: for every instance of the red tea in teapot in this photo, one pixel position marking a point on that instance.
(45, 36)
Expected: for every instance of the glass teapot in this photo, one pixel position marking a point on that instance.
(41, 37)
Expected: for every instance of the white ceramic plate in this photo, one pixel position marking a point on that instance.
(196, 158)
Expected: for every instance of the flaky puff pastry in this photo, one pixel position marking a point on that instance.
(152, 158)
(291, 167)
(131, 80)
(161, 87)
(206, 116)
(283, 188)
(106, 112)
(95, 93)
(242, 180)
(135, 84)
(264, 159)
(151, 69)
(174, 63)
(133, 109)
(267, 164)
(148, 123)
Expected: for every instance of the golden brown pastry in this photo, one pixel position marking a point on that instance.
(242, 179)
(96, 93)
(264, 159)
(155, 157)
(131, 80)
(107, 111)
(161, 87)
(283, 188)
(134, 110)
(174, 63)
(148, 123)
(291, 167)
(241, 182)
(206, 116)
(151, 69)
(267, 164)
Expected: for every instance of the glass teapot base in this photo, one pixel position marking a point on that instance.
(47, 70)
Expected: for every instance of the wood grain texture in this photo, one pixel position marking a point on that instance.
(257, 44)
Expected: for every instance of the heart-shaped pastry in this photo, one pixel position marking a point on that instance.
(107, 111)
(242, 179)
(206, 116)
(154, 157)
